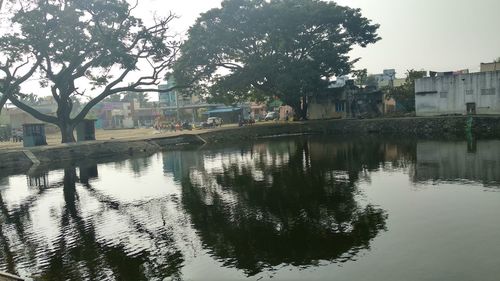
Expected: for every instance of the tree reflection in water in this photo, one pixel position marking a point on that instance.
(289, 204)
(252, 207)
(79, 251)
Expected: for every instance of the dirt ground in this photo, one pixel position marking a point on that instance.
(129, 134)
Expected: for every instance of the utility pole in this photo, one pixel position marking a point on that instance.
(177, 105)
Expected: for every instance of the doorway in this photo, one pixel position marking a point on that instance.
(471, 108)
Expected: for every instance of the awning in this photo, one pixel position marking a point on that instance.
(223, 110)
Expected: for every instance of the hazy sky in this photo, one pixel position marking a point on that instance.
(436, 35)
(439, 35)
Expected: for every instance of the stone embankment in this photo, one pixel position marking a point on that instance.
(17, 159)
(424, 127)
(436, 127)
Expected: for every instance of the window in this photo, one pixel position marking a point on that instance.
(443, 94)
(469, 92)
(489, 91)
(339, 107)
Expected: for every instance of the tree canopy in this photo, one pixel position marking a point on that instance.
(405, 94)
(279, 48)
(81, 46)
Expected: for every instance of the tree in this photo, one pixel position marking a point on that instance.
(360, 76)
(17, 64)
(371, 82)
(30, 99)
(114, 98)
(280, 48)
(81, 46)
(405, 94)
(142, 98)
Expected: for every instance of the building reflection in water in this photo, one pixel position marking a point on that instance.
(456, 161)
(140, 164)
(40, 179)
(179, 163)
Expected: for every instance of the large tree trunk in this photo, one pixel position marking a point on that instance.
(67, 126)
(300, 108)
(3, 100)
(67, 132)
(304, 105)
(69, 190)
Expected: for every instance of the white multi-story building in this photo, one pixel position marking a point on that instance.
(474, 93)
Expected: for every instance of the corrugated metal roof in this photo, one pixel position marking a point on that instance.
(222, 110)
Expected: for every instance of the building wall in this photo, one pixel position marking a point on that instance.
(116, 115)
(4, 117)
(446, 95)
(167, 98)
(395, 82)
(389, 105)
(325, 109)
(492, 66)
(18, 118)
(174, 98)
(286, 109)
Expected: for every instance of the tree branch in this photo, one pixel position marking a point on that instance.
(3, 100)
(28, 74)
(33, 112)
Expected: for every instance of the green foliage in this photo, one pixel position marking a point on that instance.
(113, 98)
(371, 82)
(30, 99)
(360, 76)
(405, 94)
(256, 49)
(142, 98)
(15, 58)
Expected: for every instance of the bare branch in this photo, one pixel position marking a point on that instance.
(20, 66)
(28, 74)
(53, 90)
(33, 112)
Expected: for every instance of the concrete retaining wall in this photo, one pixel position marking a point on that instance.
(433, 127)
(13, 160)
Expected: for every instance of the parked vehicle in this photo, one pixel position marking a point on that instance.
(187, 126)
(213, 122)
(5, 133)
(250, 121)
(17, 135)
(271, 116)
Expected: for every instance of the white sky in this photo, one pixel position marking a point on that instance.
(436, 35)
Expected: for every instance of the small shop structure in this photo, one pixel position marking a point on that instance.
(85, 131)
(34, 135)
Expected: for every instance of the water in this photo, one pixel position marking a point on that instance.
(288, 209)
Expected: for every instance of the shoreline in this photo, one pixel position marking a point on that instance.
(417, 127)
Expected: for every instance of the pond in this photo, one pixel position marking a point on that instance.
(302, 208)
